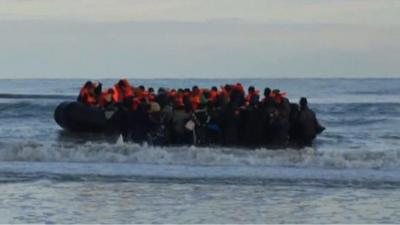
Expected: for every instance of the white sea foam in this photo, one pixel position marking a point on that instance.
(208, 156)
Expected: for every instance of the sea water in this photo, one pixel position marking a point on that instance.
(351, 175)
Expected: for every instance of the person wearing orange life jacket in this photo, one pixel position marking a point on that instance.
(142, 88)
(254, 119)
(280, 125)
(176, 96)
(108, 98)
(224, 95)
(239, 87)
(145, 95)
(134, 103)
(195, 97)
(123, 90)
(225, 90)
(166, 97)
(172, 92)
(237, 96)
(252, 96)
(213, 94)
(277, 95)
(141, 97)
(282, 103)
(152, 95)
(87, 94)
(268, 100)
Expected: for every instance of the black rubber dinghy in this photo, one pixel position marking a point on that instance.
(75, 116)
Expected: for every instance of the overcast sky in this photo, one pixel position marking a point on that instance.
(199, 38)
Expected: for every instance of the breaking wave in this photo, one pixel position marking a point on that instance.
(203, 156)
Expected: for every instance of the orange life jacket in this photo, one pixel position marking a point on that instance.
(226, 94)
(105, 99)
(86, 96)
(179, 99)
(122, 93)
(213, 95)
(172, 93)
(278, 97)
(135, 103)
(196, 100)
(239, 87)
(152, 97)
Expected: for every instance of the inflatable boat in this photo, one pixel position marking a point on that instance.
(78, 117)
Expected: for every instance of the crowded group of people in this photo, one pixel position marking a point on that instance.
(227, 115)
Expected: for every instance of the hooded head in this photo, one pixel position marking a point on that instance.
(123, 83)
(88, 84)
(161, 90)
(251, 89)
(195, 89)
(267, 92)
(239, 87)
(303, 103)
(228, 87)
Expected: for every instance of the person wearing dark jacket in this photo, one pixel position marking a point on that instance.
(268, 100)
(179, 133)
(279, 124)
(157, 131)
(140, 124)
(214, 128)
(254, 122)
(294, 131)
(308, 124)
(231, 125)
(90, 93)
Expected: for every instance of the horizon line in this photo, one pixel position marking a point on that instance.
(198, 78)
